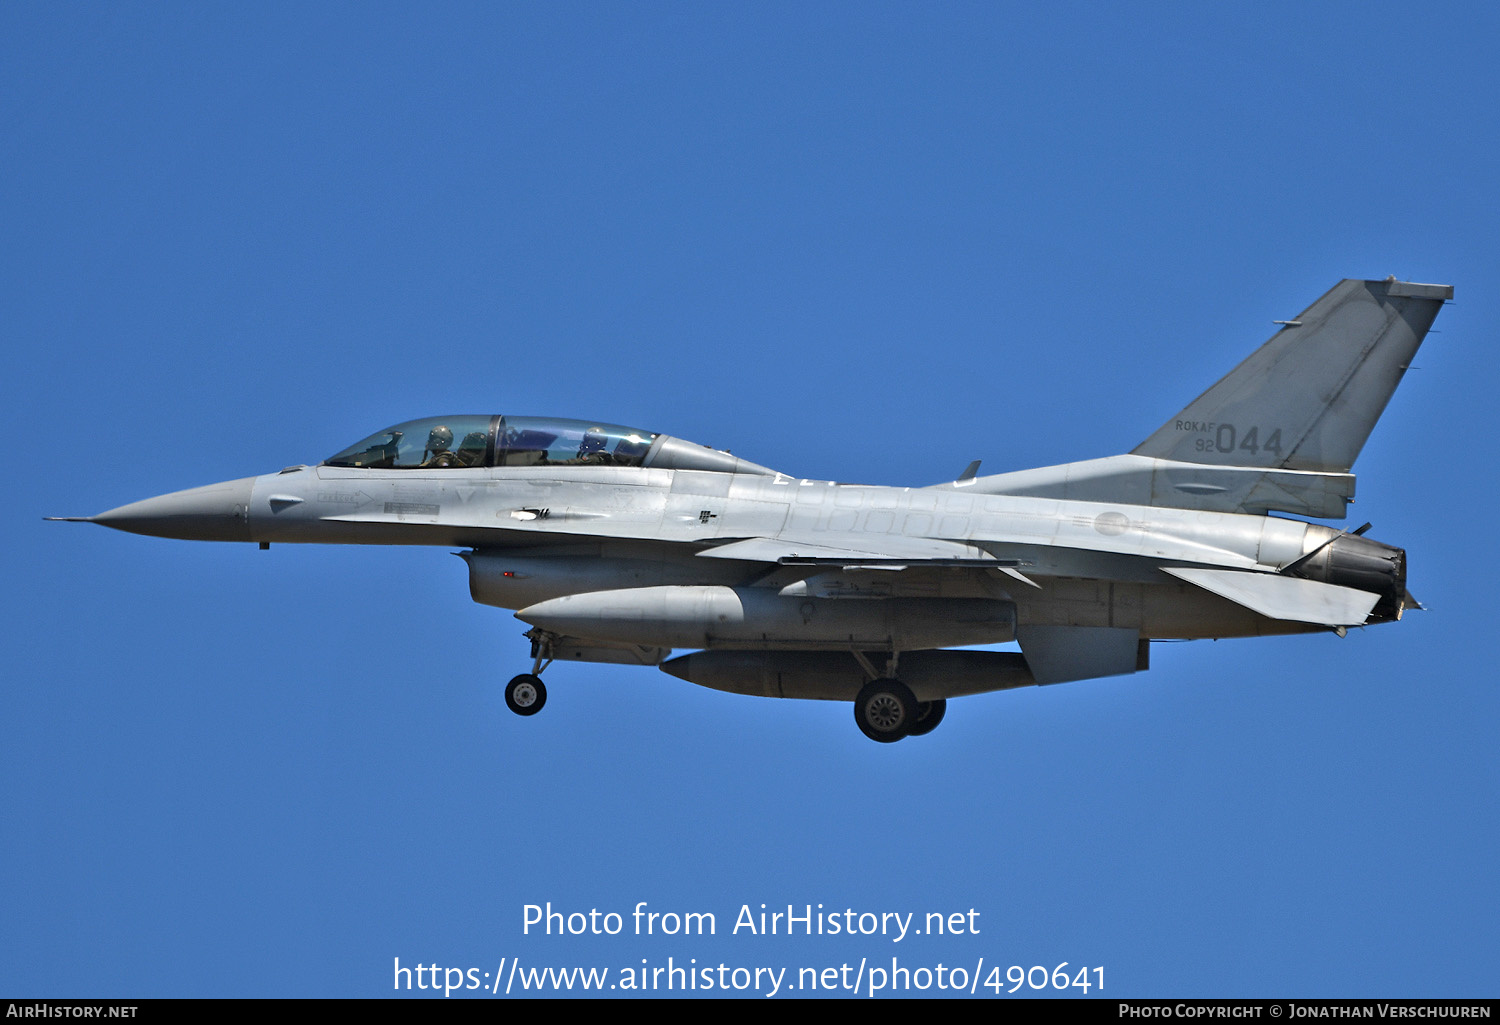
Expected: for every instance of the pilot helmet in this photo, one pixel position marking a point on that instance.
(440, 440)
(593, 441)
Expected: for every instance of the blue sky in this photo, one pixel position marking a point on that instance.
(863, 242)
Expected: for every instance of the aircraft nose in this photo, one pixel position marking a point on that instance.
(217, 512)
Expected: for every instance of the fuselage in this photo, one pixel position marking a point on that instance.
(543, 532)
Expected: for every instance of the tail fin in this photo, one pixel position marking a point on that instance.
(1309, 397)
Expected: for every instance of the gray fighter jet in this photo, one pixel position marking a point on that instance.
(619, 545)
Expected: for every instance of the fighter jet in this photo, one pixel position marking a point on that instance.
(619, 545)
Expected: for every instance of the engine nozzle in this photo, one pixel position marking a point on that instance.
(1353, 561)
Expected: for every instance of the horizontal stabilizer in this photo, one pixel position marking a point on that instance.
(1279, 597)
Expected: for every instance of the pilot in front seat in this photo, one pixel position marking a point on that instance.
(439, 443)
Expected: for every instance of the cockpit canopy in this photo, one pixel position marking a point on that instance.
(468, 441)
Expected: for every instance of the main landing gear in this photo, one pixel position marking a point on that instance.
(886, 711)
(929, 714)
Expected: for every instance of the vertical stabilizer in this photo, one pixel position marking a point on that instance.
(1309, 397)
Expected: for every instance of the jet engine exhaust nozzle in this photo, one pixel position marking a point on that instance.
(1354, 561)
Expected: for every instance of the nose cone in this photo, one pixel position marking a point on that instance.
(218, 512)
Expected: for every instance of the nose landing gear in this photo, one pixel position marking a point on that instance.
(526, 694)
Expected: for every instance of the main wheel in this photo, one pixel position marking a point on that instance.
(885, 710)
(525, 695)
(929, 714)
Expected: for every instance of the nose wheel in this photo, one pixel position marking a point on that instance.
(525, 694)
